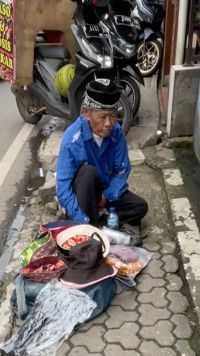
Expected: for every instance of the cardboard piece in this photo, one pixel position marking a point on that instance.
(30, 17)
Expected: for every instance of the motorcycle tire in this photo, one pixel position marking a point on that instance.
(125, 113)
(132, 92)
(149, 57)
(23, 100)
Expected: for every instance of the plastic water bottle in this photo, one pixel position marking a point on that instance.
(112, 219)
(117, 237)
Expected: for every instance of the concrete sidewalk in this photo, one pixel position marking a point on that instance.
(143, 133)
(157, 317)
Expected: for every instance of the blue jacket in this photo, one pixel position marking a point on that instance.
(111, 161)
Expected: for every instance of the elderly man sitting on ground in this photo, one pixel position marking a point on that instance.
(93, 164)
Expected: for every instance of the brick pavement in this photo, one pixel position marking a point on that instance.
(154, 319)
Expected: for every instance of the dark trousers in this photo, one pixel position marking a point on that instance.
(88, 188)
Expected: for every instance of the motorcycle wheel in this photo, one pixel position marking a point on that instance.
(27, 103)
(132, 92)
(149, 56)
(124, 116)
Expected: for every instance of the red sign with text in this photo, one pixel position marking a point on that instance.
(7, 39)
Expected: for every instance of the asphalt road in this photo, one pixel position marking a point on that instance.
(16, 157)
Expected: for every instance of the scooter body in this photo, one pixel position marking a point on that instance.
(124, 52)
(149, 32)
(150, 37)
(46, 98)
(123, 70)
(41, 97)
(149, 24)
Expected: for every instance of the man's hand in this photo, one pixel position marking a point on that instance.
(102, 202)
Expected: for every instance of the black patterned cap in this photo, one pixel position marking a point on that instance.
(102, 94)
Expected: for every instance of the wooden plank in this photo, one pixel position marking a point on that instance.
(33, 16)
(171, 19)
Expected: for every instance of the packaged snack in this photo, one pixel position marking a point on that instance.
(129, 260)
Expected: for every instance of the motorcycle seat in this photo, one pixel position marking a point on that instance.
(54, 52)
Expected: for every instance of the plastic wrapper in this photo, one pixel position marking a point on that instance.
(129, 260)
(125, 254)
(122, 237)
(56, 312)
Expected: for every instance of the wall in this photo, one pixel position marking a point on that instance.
(183, 92)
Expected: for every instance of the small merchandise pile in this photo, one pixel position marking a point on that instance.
(69, 275)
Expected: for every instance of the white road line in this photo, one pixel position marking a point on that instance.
(11, 154)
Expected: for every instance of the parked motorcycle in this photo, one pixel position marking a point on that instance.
(124, 71)
(149, 14)
(42, 97)
(96, 51)
(125, 57)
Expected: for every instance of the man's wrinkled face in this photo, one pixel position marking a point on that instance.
(101, 121)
